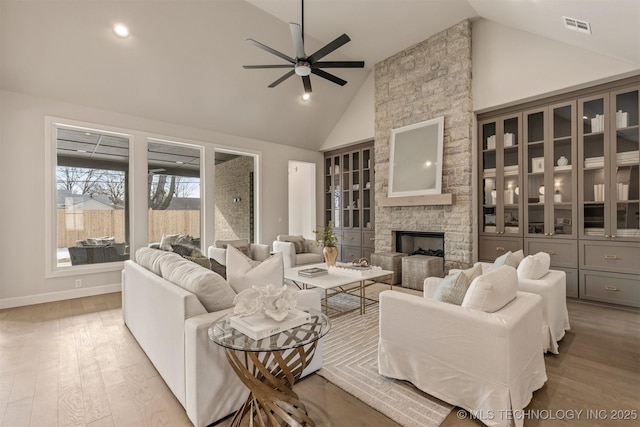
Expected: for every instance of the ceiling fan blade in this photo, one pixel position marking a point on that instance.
(270, 50)
(255, 67)
(298, 43)
(283, 78)
(306, 82)
(338, 64)
(330, 77)
(327, 49)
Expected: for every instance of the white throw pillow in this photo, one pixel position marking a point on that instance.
(243, 273)
(534, 266)
(452, 288)
(493, 290)
(213, 292)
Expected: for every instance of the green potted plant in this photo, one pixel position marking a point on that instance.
(326, 238)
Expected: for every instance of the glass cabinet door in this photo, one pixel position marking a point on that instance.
(592, 151)
(535, 132)
(563, 152)
(333, 202)
(355, 190)
(367, 189)
(346, 191)
(625, 161)
(500, 170)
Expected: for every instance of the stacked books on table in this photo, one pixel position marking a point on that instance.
(312, 272)
(258, 326)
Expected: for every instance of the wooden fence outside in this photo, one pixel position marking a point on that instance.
(83, 224)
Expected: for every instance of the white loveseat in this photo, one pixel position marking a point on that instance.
(487, 362)
(171, 325)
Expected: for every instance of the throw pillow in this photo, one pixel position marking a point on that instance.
(473, 272)
(534, 266)
(452, 288)
(182, 250)
(509, 258)
(218, 268)
(243, 273)
(168, 240)
(201, 261)
(298, 242)
(213, 292)
(493, 290)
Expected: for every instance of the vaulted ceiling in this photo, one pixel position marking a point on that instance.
(183, 60)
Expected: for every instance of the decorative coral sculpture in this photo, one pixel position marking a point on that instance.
(275, 302)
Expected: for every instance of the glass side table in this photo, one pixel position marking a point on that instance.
(269, 367)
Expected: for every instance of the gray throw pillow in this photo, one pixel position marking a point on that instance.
(452, 288)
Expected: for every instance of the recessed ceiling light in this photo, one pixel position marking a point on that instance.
(306, 96)
(121, 30)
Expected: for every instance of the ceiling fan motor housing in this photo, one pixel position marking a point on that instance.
(302, 68)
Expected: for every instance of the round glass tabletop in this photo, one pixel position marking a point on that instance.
(222, 333)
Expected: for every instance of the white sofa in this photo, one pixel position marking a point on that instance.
(488, 363)
(171, 325)
(308, 251)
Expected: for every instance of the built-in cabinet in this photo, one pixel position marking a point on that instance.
(349, 200)
(562, 176)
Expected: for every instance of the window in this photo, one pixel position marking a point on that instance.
(92, 172)
(174, 190)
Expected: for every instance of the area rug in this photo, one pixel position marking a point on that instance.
(351, 363)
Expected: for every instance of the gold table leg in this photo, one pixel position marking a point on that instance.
(270, 376)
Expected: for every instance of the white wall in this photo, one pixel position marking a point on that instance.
(22, 190)
(302, 199)
(510, 66)
(357, 124)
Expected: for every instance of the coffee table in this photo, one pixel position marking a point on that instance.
(269, 368)
(337, 281)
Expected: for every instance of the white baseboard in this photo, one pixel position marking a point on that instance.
(59, 296)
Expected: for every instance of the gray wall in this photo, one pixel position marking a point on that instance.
(425, 81)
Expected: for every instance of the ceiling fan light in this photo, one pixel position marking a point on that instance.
(302, 69)
(121, 30)
(306, 96)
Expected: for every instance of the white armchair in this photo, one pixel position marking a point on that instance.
(308, 251)
(487, 363)
(552, 287)
(255, 251)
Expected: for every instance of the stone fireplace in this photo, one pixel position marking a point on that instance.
(428, 80)
(419, 243)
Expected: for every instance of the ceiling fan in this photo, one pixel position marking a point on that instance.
(303, 65)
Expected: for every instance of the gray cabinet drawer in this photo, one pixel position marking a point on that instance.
(619, 257)
(610, 287)
(564, 253)
(369, 239)
(351, 237)
(489, 248)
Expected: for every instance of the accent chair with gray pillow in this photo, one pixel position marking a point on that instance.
(483, 355)
(297, 251)
(255, 251)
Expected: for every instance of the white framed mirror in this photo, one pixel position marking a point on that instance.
(416, 159)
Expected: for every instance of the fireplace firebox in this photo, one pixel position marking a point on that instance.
(420, 243)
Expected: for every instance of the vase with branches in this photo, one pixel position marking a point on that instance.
(326, 238)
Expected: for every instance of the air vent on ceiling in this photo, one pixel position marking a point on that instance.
(577, 25)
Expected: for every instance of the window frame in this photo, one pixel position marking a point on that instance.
(52, 125)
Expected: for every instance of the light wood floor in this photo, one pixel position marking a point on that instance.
(74, 363)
